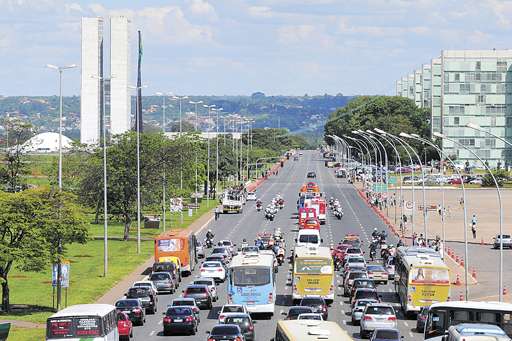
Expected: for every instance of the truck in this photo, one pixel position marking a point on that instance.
(232, 201)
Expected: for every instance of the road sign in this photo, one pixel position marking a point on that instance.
(176, 205)
(378, 187)
(64, 274)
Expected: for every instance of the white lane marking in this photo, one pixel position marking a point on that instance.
(152, 333)
(410, 334)
(160, 322)
(406, 323)
(344, 322)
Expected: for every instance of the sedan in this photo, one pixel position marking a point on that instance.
(225, 332)
(223, 250)
(228, 309)
(311, 175)
(378, 273)
(180, 319)
(213, 270)
(244, 321)
(124, 326)
(216, 258)
(377, 316)
(187, 302)
(385, 334)
(362, 283)
(133, 308)
(295, 311)
(349, 279)
(364, 293)
(251, 196)
(210, 283)
(318, 304)
(201, 294)
(358, 310)
(163, 282)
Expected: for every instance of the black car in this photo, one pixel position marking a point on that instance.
(245, 323)
(362, 283)
(421, 319)
(201, 294)
(169, 267)
(311, 175)
(180, 319)
(318, 304)
(226, 332)
(146, 296)
(134, 309)
(295, 311)
(364, 293)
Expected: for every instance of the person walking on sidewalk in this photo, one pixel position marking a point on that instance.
(473, 225)
(217, 212)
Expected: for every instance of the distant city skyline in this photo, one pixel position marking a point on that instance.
(279, 47)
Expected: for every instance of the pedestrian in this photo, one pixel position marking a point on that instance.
(473, 225)
(217, 212)
(439, 209)
(461, 201)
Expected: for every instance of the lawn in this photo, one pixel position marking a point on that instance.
(25, 334)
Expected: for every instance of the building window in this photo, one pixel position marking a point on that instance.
(456, 121)
(501, 66)
(467, 142)
(484, 153)
(508, 122)
(478, 66)
(493, 121)
(480, 98)
(457, 77)
(490, 143)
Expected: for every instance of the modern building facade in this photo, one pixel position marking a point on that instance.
(90, 85)
(120, 110)
(473, 86)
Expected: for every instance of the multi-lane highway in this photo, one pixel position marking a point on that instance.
(358, 219)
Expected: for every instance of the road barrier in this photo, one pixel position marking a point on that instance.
(457, 280)
(461, 297)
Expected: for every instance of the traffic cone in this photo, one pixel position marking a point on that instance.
(473, 273)
(505, 291)
(481, 241)
(461, 297)
(457, 280)
(461, 261)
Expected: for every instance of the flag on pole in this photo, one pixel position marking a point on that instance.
(139, 87)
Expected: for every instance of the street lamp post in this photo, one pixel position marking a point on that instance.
(180, 98)
(209, 107)
(60, 70)
(217, 110)
(164, 178)
(195, 103)
(378, 162)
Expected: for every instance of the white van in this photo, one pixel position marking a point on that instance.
(308, 237)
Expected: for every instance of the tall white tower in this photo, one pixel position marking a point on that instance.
(120, 109)
(91, 71)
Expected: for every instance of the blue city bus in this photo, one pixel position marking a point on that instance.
(251, 282)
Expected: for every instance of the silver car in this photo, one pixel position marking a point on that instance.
(210, 282)
(358, 310)
(163, 282)
(375, 316)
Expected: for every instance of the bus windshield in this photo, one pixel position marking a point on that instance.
(75, 327)
(316, 266)
(251, 276)
(424, 275)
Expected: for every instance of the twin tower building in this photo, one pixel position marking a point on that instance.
(104, 85)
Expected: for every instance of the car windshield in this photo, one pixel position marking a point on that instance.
(214, 258)
(204, 282)
(127, 304)
(159, 277)
(179, 311)
(375, 268)
(226, 243)
(363, 303)
(121, 317)
(297, 311)
(355, 260)
(387, 334)
(211, 265)
(232, 309)
(353, 251)
(366, 294)
(311, 222)
(194, 290)
(311, 301)
(177, 303)
(240, 320)
(138, 292)
(309, 238)
(379, 310)
(309, 317)
(364, 284)
(219, 250)
(353, 275)
(225, 330)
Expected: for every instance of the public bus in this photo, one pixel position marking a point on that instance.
(252, 282)
(421, 278)
(313, 273)
(92, 322)
(178, 247)
(310, 330)
(443, 315)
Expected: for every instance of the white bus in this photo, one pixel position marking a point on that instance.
(252, 282)
(310, 330)
(83, 321)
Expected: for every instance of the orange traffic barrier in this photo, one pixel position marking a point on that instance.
(505, 291)
(473, 273)
(461, 297)
(461, 261)
(457, 280)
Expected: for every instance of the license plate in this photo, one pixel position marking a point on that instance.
(211, 271)
(178, 320)
(312, 289)
(251, 302)
(126, 312)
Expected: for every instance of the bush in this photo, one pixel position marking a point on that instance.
(501, 176)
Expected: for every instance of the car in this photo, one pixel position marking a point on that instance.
(228, 244)
(311, 175)
(201, 294)
(231, 309)
(311, 223)
(222, 250)
(295, 311)
(507, 241)
(124, 326)
(421, 319)
(146, 296)
(358, 310)
(364, 293)
(210, 283)
(225, 332)
(375, 316)
(317, 303)
(145, 284)
(362, 283)
(389, 264)
(169, 267)
(354, 251)
(187, 302)
(179, 319)
(476, 181)
(250, 250)
(378, 273)
(295, 158)
(251, 196)
(215, 270)
(163, 282)
(349, 279)
(133, 308)
(216, 258)
(385, 334)
(244, 321)
(310, 316)
(354, 260)
(200, 250)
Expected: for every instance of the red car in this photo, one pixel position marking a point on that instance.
(124, 326)
(311, 223)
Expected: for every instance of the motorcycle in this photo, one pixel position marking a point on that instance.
(280, 256)
(208, 243)
(280, 202)
(373, 254)
(384, 252)
(338, 213)
(258, 207)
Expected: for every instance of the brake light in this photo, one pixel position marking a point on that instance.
(137, 311)
(270, 298)
(221, 317)
(203, 270)
(238, 338)
(251, 327)
(392, 318)
(167, 319)
(189, 319)
(368, 318)
(211, 339)
(219, 269)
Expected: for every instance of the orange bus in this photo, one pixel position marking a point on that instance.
(179, 247)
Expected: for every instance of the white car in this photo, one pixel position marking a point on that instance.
(145, 284)
(375, 316)
(231, 309)
(215, 270)
(251, 196)
(210, 282)
(229, 244)
(310, 316)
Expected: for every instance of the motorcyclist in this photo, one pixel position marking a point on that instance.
(383, 235)
(400, 243)
(375, 233)
(373, 250)
(245, 243)
(209, 235)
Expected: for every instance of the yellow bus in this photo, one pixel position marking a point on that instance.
(309, 330)
(421, 278)
(313, 273)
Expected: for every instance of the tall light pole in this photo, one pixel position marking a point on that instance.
(164, 178)
(217, 110)
(195, 103)
(209, 107)
(60, 69)
(180, 98)
(138, 119)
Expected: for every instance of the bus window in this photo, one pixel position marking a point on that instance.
(436, 324)
(488, 317)
(507, 323)
(251, 276)
(461, 316)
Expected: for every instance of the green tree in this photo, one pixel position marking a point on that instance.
(501, 176)
(35, 227)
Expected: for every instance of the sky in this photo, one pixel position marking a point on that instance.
(237, 47)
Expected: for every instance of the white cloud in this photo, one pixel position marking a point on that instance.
(260, 11)
(502, 9)
(304, 33)
(202, 7)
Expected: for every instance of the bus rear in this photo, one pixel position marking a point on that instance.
(313, 275)
(427, 285)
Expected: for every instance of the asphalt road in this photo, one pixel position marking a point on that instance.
(358, 219)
